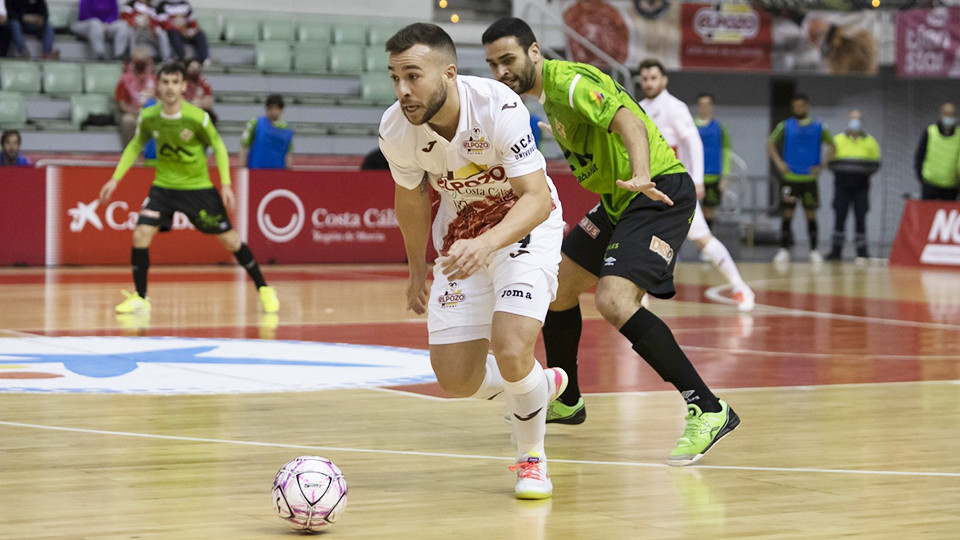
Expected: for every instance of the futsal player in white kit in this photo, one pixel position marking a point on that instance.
(498, 231)
(675, 122)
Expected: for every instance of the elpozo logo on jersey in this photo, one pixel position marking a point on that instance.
(138, 365)
(943, 241)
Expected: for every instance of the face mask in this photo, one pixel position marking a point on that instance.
(193, 76)
(139, 65)
(854, 125)
(948, 121)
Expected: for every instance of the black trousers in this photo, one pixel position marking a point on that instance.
(851, 190)
(938, 193)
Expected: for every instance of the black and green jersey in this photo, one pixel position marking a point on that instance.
(580, 102)
(182, 139)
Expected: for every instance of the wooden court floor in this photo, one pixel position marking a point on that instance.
(846, 379)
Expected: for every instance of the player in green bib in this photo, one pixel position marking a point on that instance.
(182, 183)
(628, 245)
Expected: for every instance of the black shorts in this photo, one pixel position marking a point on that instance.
(712, 196)
(806, 192)
(643, 246)
(203, 207)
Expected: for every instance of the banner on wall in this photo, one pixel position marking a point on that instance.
(928, 43)
(929, 235)
(725, 36)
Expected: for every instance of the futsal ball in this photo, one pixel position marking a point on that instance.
(309, 493)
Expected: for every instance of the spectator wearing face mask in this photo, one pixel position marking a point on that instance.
(857, 157)
(136, 85)
(198, 90)
(936, 158)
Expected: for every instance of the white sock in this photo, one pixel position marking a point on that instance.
(492, 385)
(527, 398)
(721, 259)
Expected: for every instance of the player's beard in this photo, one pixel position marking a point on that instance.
(436, 101)
(523, 82)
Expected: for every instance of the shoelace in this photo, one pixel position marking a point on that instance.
(528, 469)
(695, 425)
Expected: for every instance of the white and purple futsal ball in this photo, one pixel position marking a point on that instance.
(309, 493)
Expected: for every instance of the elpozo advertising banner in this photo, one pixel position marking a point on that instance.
(928, 43)
(725, 36)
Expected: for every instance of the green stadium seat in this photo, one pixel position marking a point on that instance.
(212, 25)
(375, 60)
(378, 34)
(61, 15)
(310, 57)
(278, 30)
(62, 78)
(20, 77)
(377, 88)
(273, 56)
(13, 112)
(241, 30)
(313, 31)
(354, 33)
(101, 78)
(346, 59)
(82, 106)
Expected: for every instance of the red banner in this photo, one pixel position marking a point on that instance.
(22, 215)
(927, 43)
(929, 235)
(82, 231)
(725, 36)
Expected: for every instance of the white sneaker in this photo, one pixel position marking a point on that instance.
(533, 481)
(745, 299)
(782, 256)
(816, 257)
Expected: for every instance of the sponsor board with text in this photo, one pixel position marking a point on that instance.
(929, 235)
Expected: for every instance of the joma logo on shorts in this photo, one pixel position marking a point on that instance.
(661, 248)
(516, 293)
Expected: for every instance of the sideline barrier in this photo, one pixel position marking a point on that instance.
(929, 235)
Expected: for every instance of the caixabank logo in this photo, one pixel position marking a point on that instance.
(138, 365)
(943, 240)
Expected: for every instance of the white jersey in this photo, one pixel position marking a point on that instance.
(493, 142)
(675, 122)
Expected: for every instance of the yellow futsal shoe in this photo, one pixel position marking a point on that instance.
(269, 300)
(133, 303)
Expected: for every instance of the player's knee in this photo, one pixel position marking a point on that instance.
(230, 241)
(616, 308)
(142, 236)
(457, 384)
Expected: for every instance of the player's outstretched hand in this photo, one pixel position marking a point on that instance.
(229, 199)
(465, 257)
(107, 190)
(417, 294)
(646, 187)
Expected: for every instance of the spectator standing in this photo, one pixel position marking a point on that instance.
(30, 17)
(98, 21)
(136, 85)
(180, 23)
(937, 157)
(145, 28)
(267, 141)
(10, 154)
(857, 157)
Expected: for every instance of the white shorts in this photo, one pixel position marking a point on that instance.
(698, 227)
(521, 280)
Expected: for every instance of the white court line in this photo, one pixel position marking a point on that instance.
(713, 294)
(474, 456)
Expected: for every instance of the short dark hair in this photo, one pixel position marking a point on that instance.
(174, 66)
(274, 100)
(652, 63)
(7, 133)
(801, 96)
(706, 95)
(510, 27)
(427, 34)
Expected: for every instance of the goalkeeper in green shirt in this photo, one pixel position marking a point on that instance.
(628, 244)
(182, 183)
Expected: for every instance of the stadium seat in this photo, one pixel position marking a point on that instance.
(273, 56)
(81, 107)
(277, 30)
(101, 78)
(241, 30)
(310, 57)
(13, 112)
(375, 60)
(377, 88)
(20, 77)
(354, 33)
(62, 78)
(378, 34)
(346, 59)
(212, 25)
(313, 31)
(61, 15)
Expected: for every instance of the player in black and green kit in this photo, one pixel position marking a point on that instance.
(628, 244)
(182, 183)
